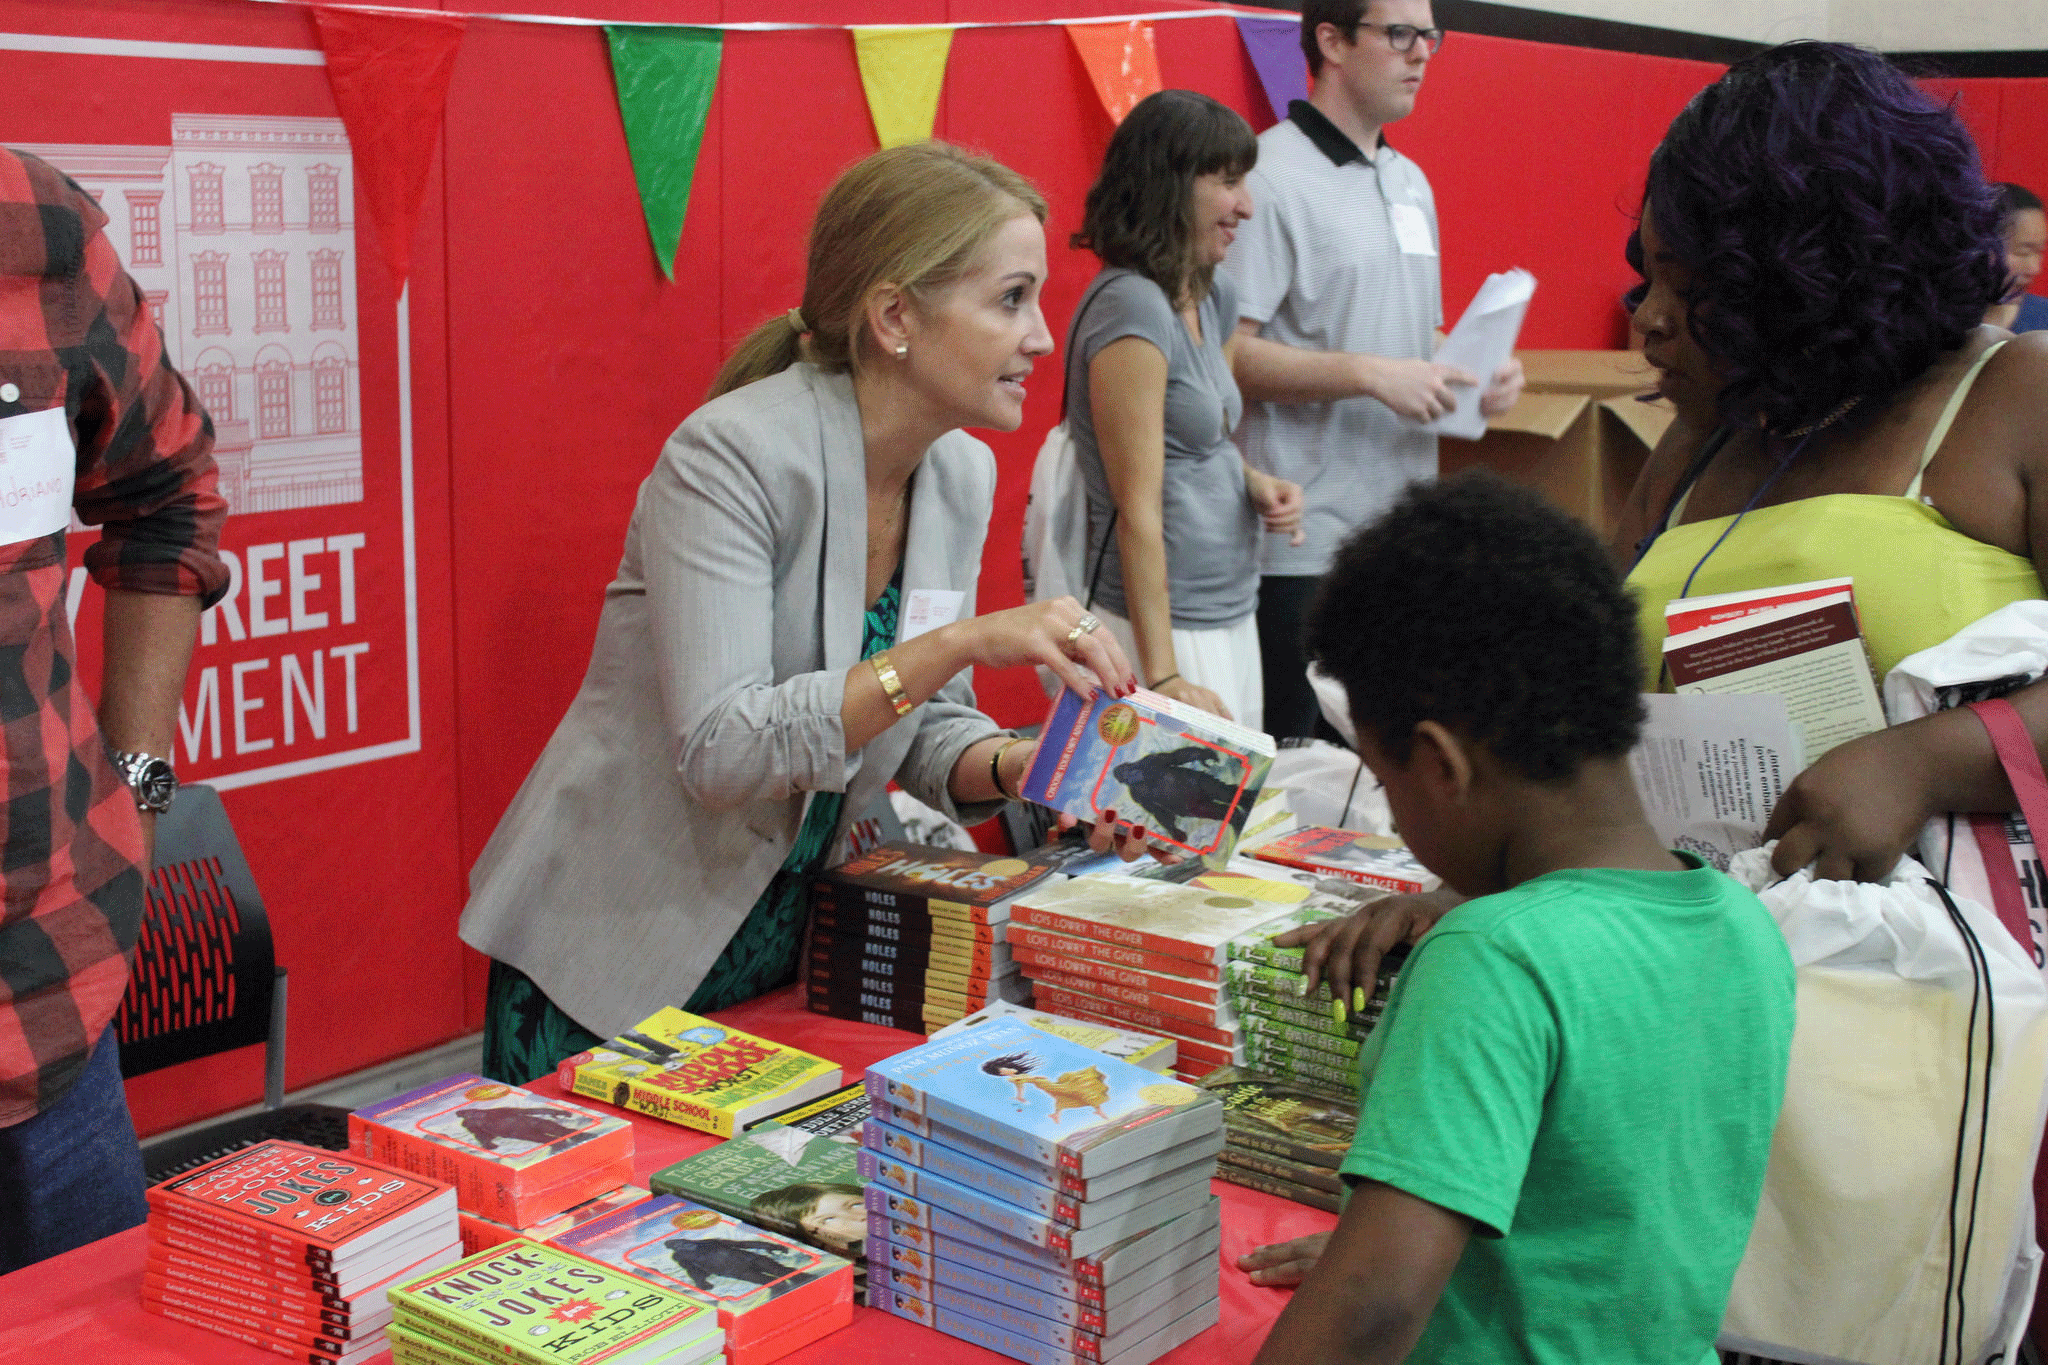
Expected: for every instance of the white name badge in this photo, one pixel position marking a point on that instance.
(37, 464)
(928, 609)
(1411, 230)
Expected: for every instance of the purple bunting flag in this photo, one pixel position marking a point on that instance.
(1274, 45)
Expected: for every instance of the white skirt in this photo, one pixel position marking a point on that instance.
(1224, 659)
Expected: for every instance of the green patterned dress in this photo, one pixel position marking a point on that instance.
(525, 1034)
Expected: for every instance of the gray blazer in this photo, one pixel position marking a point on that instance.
(675, 785)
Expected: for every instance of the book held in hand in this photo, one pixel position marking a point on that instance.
(690, 1070)
(1801, 642)
(1185, 777)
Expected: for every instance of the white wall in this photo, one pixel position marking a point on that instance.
(1893, 25)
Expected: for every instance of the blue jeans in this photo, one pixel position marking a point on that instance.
(73, 1173)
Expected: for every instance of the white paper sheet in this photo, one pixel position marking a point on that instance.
(1710, 768)
(1480, 344)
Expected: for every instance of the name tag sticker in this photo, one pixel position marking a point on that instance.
(37, 465)
(928, 609)
(1411, 230)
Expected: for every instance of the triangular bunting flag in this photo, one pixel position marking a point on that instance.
(1274, 45)
(902, 69)
(1121, 61)
(665, 78)
(389, 73)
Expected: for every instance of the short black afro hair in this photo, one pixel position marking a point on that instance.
(1475, 604)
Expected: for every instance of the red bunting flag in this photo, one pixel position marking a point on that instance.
(1121, 61)
(389, 73)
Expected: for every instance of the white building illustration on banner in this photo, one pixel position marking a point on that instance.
(242, 233)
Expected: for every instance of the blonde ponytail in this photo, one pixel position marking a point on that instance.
(916, 217)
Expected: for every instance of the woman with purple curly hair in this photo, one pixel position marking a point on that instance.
(1817, 248)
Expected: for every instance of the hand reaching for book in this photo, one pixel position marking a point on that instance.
(1348, 951)
(1284, 1264)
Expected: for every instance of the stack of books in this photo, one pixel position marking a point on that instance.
(1151, 1051)
(771, 1294)
(689, 1070)
(1132, 952)
(520, 1162)
(294, 1249)
(911, 937)
(1041, 1199)
(1284, 1139)
(1373, 860)
(523, 1303)
(794, 1174)
(1308, 1038)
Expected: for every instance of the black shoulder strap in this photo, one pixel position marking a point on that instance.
(1698, 466)
(1101, 551)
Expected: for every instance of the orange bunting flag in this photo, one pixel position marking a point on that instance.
(1121, 61)
(389, 74)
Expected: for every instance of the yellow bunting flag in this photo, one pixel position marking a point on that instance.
(902, 70)
(1121, 62)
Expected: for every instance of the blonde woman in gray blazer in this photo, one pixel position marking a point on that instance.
(750, 690)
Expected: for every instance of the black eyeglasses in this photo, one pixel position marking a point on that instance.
(1401, 37)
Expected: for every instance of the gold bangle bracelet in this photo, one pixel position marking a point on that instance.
(892, 686)
(995, 766)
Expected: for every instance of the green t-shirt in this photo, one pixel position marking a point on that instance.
(1589, 1066)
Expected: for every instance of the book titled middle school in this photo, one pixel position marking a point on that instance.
(1052, 1101)
(689, 1070)
(1180, 774)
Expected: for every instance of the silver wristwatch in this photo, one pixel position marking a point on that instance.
(150, 778)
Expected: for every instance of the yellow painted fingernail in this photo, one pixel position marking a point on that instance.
(1301, 986)
(1358, 998)
(1337, 1010)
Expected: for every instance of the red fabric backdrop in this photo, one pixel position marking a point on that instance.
(549, 360)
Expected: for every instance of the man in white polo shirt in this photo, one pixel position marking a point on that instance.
(1338, 305)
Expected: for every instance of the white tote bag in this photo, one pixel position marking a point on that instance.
(1896, 1225)
(1991, 657)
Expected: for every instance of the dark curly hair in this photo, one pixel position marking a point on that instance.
(1141, 210)
(1836, 224)
(1478, 605)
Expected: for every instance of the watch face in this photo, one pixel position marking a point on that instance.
(154, 784)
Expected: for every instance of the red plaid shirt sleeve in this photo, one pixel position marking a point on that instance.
(76, 333)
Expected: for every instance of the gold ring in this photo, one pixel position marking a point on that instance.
(1074, 635)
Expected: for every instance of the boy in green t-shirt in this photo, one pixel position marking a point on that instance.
(1567, 1109)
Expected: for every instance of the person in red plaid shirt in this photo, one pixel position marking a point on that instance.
(92, 419)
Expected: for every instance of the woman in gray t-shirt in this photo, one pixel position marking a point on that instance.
(1173, 510)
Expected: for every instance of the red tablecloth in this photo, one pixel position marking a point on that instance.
(85, 1308)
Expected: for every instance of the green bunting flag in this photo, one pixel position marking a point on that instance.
(665, 78)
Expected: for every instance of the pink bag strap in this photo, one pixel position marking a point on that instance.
(2022, 764)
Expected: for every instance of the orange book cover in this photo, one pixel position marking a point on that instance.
(480, 1233)
(773, 1294)
(325, 1205)
(514, 1156)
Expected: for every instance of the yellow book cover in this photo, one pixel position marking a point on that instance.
(690, 1070)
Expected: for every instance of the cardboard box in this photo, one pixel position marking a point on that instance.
(1578, 435)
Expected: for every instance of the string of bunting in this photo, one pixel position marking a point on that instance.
(389, 66)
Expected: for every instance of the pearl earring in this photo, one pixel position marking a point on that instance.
(902, 351)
